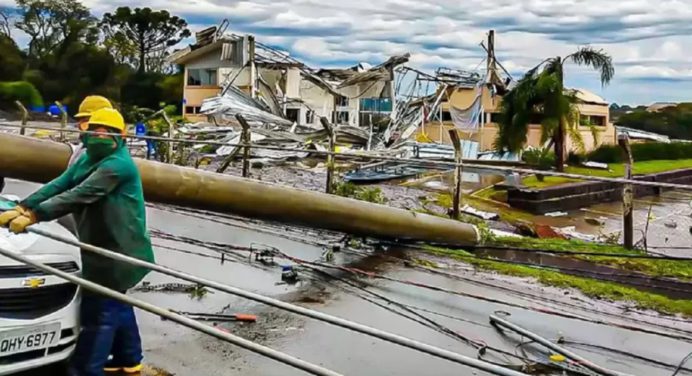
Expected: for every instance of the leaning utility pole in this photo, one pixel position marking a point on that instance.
(253, 67)
(491, 61)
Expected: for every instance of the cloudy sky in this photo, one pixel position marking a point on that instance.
(647, 38)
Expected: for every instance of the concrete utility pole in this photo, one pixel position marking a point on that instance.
(170, 184)
(491, 51)
(392, 93)
(253, 67)
(491, 61)
(458, 154)
(627, 193)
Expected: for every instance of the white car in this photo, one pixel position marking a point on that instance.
(38, 312)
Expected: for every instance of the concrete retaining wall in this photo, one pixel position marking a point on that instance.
(579, 195)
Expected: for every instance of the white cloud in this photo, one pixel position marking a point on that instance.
(648, 40)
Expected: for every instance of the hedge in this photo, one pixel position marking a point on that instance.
(643, 152)
(22, 91)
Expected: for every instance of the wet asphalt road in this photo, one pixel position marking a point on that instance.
(184, 352)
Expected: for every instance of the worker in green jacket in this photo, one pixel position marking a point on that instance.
(103, 190)
(86, 108)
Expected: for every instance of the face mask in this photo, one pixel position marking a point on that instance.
(82, 136)
(99, 148)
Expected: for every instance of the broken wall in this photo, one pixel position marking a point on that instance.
(195, 95)
(354, 93)
(316, 99)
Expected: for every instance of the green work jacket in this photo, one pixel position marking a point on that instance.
(107, 202)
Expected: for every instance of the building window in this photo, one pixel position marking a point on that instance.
(341, 117)
(193, 110)
(201, 77)
(375, 105)
(292, 114)
(495, 117)
(341, 101)
(310, 117)
(586, 120)
(446, 116)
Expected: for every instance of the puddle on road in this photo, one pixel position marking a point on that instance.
(472, 180)
(669, 227)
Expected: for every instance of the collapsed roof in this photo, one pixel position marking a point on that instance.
(269, 57)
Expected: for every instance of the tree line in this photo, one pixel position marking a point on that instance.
(674, 121)
(71, 54)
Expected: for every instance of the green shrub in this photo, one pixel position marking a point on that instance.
(606, 154)
(21, 91)
(541, 159)
(653, 151)
(575, 159)
(351, 190)
(643, 152)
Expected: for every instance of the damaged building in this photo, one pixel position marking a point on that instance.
(221, 64)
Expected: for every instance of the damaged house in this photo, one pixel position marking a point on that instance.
(256, 75)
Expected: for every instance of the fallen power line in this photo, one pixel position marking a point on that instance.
(393, 338)
(500, 322)
(409, 312)
(180, 319)
(687, 338)
(223, 249)
(418, 161)
(435, 326)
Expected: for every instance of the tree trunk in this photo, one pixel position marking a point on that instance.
(142, 61)
(560, 134)
(142, 55)
(560, 147)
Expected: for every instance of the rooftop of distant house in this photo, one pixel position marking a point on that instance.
(658, 106)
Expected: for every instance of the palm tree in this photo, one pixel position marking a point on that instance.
(542, 92)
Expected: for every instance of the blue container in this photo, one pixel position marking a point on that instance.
(54, 110)
(140, 129)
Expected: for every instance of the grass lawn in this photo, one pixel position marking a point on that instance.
(615, 170)
(590, 287)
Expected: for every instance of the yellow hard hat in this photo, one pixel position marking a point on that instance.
(108, 117)
(91, 104)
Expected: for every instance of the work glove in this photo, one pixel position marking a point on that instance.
(19, 224)
(10, 215)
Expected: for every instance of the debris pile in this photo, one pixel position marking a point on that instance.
(373, 110)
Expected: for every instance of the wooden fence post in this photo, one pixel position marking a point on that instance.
(458, 154)
(25, 117)
(246, 139)
(330, 157)
(63, 120)
(171, 134)
(627, 193)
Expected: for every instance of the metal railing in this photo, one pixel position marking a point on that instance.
(468, 163)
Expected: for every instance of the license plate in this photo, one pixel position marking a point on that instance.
(29, 339)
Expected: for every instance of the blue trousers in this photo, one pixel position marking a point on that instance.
(108, 328)
(151, 149)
